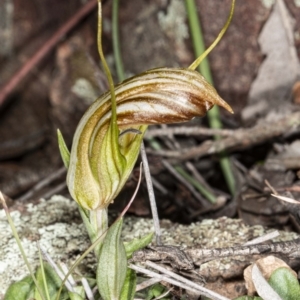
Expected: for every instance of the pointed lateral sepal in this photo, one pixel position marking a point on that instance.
(63, 149)
(129, 286)
(112, 264)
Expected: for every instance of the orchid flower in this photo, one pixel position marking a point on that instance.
(102, 158)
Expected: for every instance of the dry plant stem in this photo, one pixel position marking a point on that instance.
(176, 282)
(189, 186)
(188, 131)
(43, 183)
(56, 190)
(45, 49)
(242, 139)
(151, 195)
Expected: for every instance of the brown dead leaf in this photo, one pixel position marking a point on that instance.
(267, 266)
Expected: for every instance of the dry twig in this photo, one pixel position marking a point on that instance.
(241, 139)
(197, 255)
(188, 131)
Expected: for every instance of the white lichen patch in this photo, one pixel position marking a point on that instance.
(173, 24)
(55, 224)
(267, 3)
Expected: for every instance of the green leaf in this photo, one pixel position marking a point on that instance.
(20, 290)
(75, 296)
(53, 283)
(155, 291)
(63, 149)
(112, 264)
(137, 244)
(285, 284)
(128, 290)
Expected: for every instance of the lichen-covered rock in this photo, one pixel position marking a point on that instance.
(57, 226)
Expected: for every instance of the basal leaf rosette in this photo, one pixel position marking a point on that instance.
(99, 166)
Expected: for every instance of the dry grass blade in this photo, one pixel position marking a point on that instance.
(262, 287)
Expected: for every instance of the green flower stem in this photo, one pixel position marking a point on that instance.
(99, 223)
(113, 126)
(116, 44)
(44, 275)
(204, 69)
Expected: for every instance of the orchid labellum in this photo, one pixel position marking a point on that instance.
(101, 159)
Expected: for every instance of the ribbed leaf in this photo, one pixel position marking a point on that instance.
(112, 264)
(21, 290)
(285, 284)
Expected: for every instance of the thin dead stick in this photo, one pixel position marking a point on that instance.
(262, 239)
(151, 195)
(284, 248)
(198, 176)
(164, 294)
(283, 198)
(56, 190)
(54, 266)
(87, 289)
(65, 271)
(189, 186)
(189, 131)
(174, 282)
(85, 284)
(146, 284)
(289, 249)
(159, 186)
(241, 139)
(45, 49)
(44, 182)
